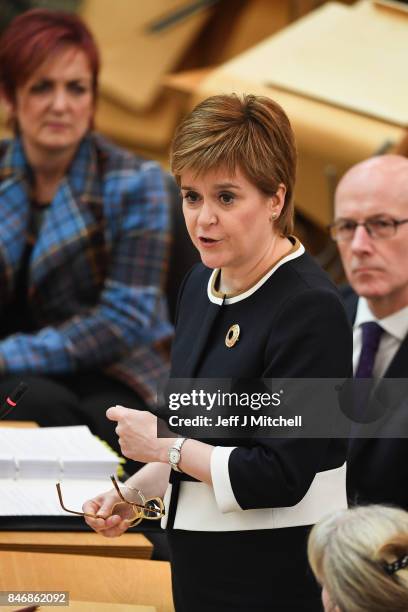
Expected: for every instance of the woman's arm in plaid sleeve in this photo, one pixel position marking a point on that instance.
(131, 310)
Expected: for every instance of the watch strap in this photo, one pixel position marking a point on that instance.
(177, 446)
(178, 443)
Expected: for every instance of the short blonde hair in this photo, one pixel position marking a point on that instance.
(251, 133)
(348, 552)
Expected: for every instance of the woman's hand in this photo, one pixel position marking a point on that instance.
(137, 433)
(112, 525)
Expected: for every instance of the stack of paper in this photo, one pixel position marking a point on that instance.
(32, 461)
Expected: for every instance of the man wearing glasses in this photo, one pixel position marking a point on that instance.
(371, 231)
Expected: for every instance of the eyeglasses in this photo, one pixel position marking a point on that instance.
(151, 509)
(343, 230)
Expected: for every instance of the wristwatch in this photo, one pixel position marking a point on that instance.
(174, 454)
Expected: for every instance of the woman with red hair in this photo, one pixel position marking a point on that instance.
(83, 235)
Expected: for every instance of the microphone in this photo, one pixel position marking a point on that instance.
(12, 399)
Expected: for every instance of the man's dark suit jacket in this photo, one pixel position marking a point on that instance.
(377, 469)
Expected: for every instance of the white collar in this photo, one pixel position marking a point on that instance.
(396, 324)
(242, 296)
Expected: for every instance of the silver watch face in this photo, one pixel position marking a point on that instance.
(174, 455)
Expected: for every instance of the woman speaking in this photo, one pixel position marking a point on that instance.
(258, 306)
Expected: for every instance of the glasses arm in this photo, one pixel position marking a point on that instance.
(58, 485)
(400, 221)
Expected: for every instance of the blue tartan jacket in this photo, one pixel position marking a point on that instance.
(96, 270)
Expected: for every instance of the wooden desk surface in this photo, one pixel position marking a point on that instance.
(101, 579)
(129, 545)
(87, 606)
(18, 424)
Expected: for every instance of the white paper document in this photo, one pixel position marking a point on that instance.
(32, 461)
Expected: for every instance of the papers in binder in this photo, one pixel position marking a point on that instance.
(33, 460)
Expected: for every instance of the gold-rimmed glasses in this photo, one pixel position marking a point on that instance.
(150, 509)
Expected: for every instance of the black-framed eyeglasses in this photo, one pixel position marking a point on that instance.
(151, 508)
(343, 230)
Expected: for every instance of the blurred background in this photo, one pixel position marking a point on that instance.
(337, 68)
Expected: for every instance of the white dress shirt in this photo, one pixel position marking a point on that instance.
(395, 329)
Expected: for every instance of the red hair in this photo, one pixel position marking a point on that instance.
(32, 37)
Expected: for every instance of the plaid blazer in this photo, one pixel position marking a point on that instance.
(96, 270)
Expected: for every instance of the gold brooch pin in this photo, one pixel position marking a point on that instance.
(232, 336)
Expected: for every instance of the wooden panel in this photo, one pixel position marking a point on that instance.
(390, 5)
(102, 579)
(129, 545)
(152, 128)
(134, 58)
(333, 55)
(18, 424)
